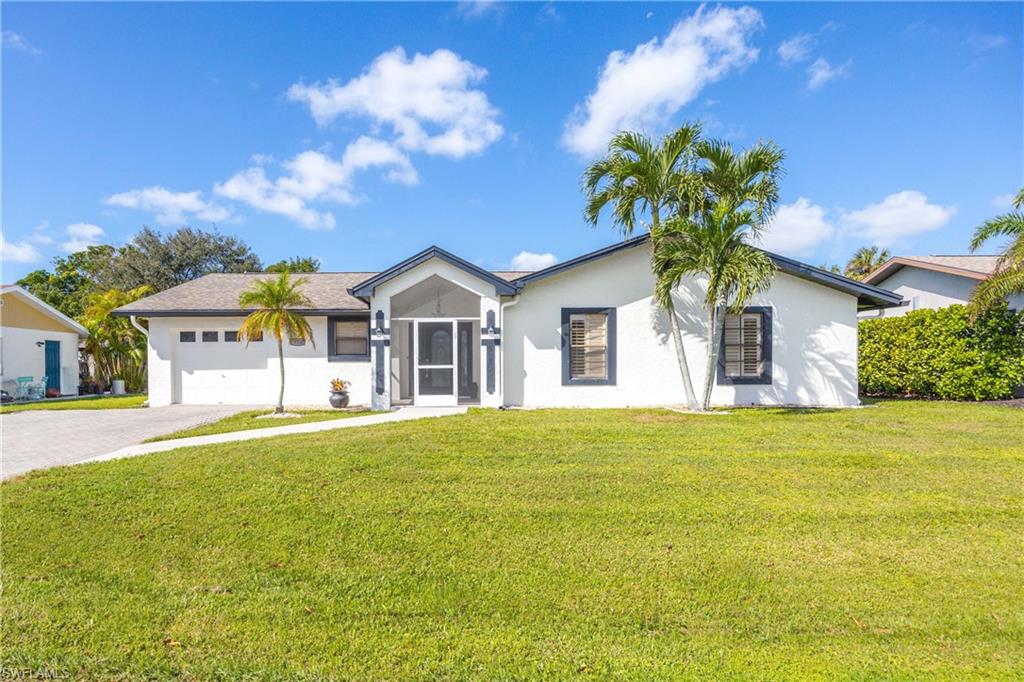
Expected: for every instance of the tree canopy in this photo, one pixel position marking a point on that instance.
(163, 261)
(295, 264)
(150, 259)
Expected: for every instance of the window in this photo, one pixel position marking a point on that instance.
(588, 346)
(230, 337)
(745, 356)
(210, 337)
(349, 337)
(187, 337)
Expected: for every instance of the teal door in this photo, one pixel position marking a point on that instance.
(53, 364)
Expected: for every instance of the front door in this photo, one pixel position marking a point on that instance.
(436, 364)
(52, 367)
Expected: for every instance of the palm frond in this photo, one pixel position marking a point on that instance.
(1008, 225)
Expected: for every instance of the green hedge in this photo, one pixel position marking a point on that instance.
(941, 354)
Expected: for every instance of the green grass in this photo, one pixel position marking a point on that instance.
(243, 421)
(883, 543)
(119, 402)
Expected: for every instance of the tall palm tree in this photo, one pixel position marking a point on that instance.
(637, 176)
(1008, 277)
(864, 261)
(738, 198)
(274, 300)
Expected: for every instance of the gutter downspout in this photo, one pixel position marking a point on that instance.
(135, 323)
(145, 332)
(501, 364)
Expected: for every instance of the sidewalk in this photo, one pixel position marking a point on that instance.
(399, 415)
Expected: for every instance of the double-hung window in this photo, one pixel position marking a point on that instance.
(588, 346)
(746, 353)
(349, 337)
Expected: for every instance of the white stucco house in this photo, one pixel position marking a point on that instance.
(929, 282)
(37, 341)
(437, 330)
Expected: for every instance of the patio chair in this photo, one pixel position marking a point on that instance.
(21, 392)
(37, 391)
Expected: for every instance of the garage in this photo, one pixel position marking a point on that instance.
(212, 368)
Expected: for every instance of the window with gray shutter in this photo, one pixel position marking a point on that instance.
(588, 346)
(745, 356)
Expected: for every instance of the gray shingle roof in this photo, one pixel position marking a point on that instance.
(217, 294)
(983, 264)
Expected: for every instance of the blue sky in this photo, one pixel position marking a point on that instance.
(361, 133)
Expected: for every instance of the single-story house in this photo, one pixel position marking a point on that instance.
(435, 329)
(929, 282)
(37, 340)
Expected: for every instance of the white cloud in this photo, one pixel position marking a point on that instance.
(821, 72)
(15, 41)
(81, 236)
(474, 9)
(795, 49)
(797, 228)
(548, 14)
(261, 159)
(798, 47)
(313, 176)
(643, 88)
(1004, 202)
(39, 233)
(18, 252)
(428, 102)
(526, 260)
(897, 216)
(170, 208)
(985, 42)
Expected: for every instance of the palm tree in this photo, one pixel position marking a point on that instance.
(274, 300)
(740, 192)
(638, 176)
(865, 260)
(117, 349)
(1008, 276)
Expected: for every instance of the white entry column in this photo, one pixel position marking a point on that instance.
(380, 352)
(490, 353)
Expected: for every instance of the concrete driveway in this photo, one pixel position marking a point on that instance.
(39, 439)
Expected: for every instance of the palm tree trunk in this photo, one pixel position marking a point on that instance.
(280, 396)
(715, 324)
(684, 369)
(677, 336)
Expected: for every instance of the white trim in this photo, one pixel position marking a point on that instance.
(45, 308)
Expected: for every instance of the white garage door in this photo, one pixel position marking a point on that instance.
(219, 372)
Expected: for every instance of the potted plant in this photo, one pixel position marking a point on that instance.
(339, 393)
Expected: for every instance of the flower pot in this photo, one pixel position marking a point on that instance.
(339, 399)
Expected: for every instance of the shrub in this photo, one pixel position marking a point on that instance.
(942, 354)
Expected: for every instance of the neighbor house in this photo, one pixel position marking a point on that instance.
(37, 341)
(435, 329)
(933, 282)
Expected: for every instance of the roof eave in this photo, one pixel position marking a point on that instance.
(897, 263)
(367, 288)
(317, 312)
(869, 297)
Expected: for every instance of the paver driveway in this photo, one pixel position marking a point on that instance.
(38, 439)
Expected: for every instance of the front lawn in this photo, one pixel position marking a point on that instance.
(884, 543)
(118, 402)
(244, 421)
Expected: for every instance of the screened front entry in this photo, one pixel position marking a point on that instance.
(436, 362)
